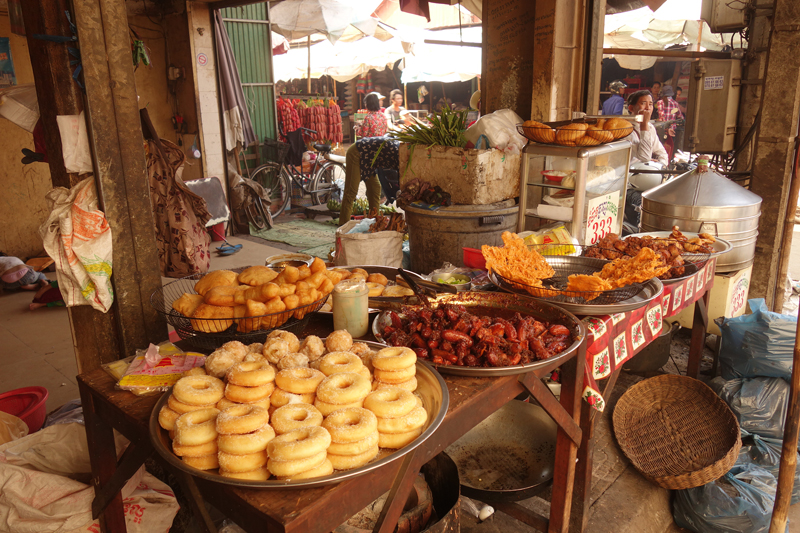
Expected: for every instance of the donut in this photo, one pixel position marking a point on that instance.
(343, 388)
(195, 451)
(246, 443)
(167, 418)
(390, 402)
(413, 420)
(394, 358)
(410, 385)
(359, 348)
(256, 347)
(225, 403)
(339, 341)
(253, 356)
(338, 362)
(313, 347)
(172, 434)
(295, 416)
(259, 474)
(327, 408)
(241, 419)
(397, 440)
(324, 469)
(299, 444)
(239, 394)
(354, 448)
(348, 462)
(251, 374)
(291, 469)
(396, 376)
(206, 462)
(196, 371)
(350, 425)
(364, 371)
(288, 336)
(230, 353)
(181, 408)
(242, 463)
(293, 360)
(280, 398)
(197, 427)
(198, 390)
(299, 380)
(275, 350)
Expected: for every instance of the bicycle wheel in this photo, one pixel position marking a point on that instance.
(272, 176)
(326, 182)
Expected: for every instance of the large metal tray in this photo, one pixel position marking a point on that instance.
(720, 246)
(430, 387)
(505, 305)
(650, 291)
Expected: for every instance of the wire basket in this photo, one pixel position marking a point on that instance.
(211, 333)
(692, 262)
(575, 134)
(554, 288)
(274, 151)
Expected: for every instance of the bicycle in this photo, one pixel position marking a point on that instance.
(320, 182)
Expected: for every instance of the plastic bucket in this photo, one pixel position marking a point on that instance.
(27, 403)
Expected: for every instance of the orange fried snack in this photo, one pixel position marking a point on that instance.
(514, 261)
(588, 286)
(644, 266)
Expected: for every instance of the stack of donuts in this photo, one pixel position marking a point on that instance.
(292, 409)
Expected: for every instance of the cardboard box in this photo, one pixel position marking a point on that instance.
(472, 177)
(728, 299)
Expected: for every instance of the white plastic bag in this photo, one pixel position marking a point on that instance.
(11, 428)
(18, 104)
(77, 237)
(500, 128)
(75, 143)
(384, 248)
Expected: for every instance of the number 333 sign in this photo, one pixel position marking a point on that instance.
(603, 216)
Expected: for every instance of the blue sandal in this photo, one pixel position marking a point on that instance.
(228, 248)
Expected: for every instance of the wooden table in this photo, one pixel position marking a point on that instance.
(323, 509)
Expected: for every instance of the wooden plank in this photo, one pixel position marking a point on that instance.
(132, 459)
(593, 59)
(678, 54)
(523, 514)
(548, 402)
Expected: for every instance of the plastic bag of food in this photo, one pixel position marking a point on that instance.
(759, 404)
(766, 453)
(758, 344)
(500, 128)
(153, 370)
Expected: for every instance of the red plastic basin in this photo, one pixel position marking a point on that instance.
(27, 403)
(473, 258)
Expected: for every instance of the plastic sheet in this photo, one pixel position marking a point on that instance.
(766, 453)
(758, 344)
(759, 403)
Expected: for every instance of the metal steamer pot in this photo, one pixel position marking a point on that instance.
(706, 202)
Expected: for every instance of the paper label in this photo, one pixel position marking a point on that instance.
(602, 219)
(713, 83)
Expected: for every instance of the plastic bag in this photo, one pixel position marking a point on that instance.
(70, 412)
(739, 502)
(500, 128)
(11, 428)
(155, 370)
(759, 404)
(758, 344)
(766, 453)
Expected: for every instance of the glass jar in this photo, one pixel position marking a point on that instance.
(350, 307)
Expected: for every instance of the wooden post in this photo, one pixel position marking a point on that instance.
(789, 452)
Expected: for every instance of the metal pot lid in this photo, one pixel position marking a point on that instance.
(506, 207)
(705, 189)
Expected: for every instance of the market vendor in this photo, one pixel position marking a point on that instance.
(374, 124)
(396, 114)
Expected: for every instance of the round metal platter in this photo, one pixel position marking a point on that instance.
(505, 305)
(389, 272)
(430, 386)
(720, 246)
(650, 291)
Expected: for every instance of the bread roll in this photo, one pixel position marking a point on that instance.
(570, 133)
(539, 132)
(619, 127)
(601, 135)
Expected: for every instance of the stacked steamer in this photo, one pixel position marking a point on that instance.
(400, 414)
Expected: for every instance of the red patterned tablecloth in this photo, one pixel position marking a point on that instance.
(613, 339)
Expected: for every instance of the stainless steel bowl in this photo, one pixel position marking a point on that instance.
(439, 278)
(295, 260)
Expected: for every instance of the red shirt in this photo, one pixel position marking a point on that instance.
(374, 125)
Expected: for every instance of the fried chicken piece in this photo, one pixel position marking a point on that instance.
(646, 265)
(589, 286)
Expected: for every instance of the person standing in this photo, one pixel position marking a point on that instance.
(615, 103)
(655, 90)
(668, 109)
(396, 113)
(374, 124)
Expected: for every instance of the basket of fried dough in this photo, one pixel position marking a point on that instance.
(576, 133)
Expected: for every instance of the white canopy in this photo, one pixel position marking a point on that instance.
(300, 18)
(444, 63)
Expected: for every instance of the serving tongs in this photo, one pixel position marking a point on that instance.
(424, 289)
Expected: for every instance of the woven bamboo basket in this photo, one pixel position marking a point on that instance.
(677, 432)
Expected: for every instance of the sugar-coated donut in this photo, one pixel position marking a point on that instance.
(313, 347)
(354, 448)
(390, 402)
(248, 442)
(195, 451)
(198, 390)
(225, 403)
(256, 347)
(298, 444)
(254, 356)
(327, 408)
(350, 425)
(237, 393)
(167, 418)
(394, 358)
(324, 469)
(299, 380)
(230, 353)
(410, 385)
(275, 350)
(339, 362)
(206, 462)
(359, 348)
(242, 463)
(293, 360)
(288, 336)
(251, 374)
(348, 462)
(172, 434)
(396, 376)
(339, 341)
(196, 371)
(281, 397)
(413, 420)
(197, 427)
(397, 440)
(259, 474)
(241, 419)
(364, 371)
(343, 388)
(181, 408)
(295, 416)
(290, 469)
